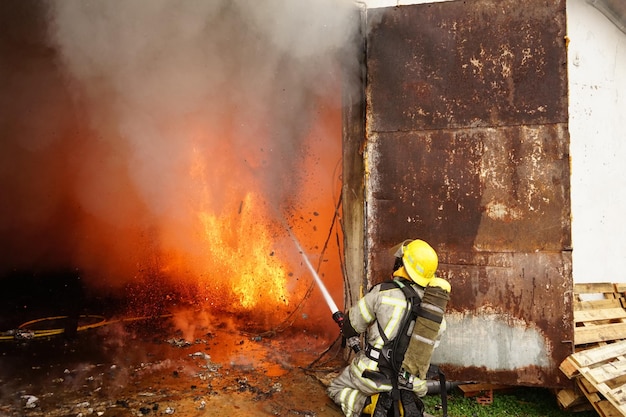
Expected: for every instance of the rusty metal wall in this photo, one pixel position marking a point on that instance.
(466, 146)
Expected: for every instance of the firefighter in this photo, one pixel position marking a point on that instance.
(366, 386)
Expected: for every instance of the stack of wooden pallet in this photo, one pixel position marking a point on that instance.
(599, 362)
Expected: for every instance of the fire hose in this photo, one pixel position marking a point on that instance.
(338, 316)
(25, 331)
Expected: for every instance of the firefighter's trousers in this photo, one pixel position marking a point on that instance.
(350, 389)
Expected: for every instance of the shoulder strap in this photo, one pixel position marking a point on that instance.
(401, 342)
(389, 285)
(384, 286)
(393, 350)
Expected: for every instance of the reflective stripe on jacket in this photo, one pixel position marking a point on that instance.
(386, 303)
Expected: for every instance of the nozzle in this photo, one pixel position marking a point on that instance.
(338, 317)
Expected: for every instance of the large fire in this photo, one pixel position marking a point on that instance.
(239, 266)
(232, 242)
(163, 148)
(241, 248)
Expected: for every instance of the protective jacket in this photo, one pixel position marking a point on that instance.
(382, 308)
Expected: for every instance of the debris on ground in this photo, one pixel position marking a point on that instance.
(134, 371)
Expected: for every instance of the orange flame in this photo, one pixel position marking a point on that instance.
(226, 244)
(238, 247)
(259, 276)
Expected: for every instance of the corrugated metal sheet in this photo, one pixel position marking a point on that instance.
(466, 146)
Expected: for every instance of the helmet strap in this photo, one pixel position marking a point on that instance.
(401, 273)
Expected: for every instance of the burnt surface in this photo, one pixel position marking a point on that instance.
(32, 295)
(152, 368)
(467, 147)
(60, 298)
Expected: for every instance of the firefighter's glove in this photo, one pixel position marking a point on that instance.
(419, 387)
(347, 331)
(409, 382)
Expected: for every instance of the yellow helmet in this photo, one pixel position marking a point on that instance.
(420, 261)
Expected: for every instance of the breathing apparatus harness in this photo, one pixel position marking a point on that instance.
(391, 355)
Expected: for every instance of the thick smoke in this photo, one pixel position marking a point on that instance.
(119, 117)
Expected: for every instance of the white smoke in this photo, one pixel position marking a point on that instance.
(108, 106)
(239, 82)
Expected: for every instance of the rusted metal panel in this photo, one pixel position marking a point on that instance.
(467, 64)
(467, 147)
(485, 189)
(508, 323)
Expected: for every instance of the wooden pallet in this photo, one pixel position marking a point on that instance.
(601, 371)
(602, 406)
(599, 334)
(573, 399)
(599, 313)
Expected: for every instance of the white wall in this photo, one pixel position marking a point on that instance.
(597, 123)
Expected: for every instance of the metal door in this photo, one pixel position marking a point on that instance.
(464, 143)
